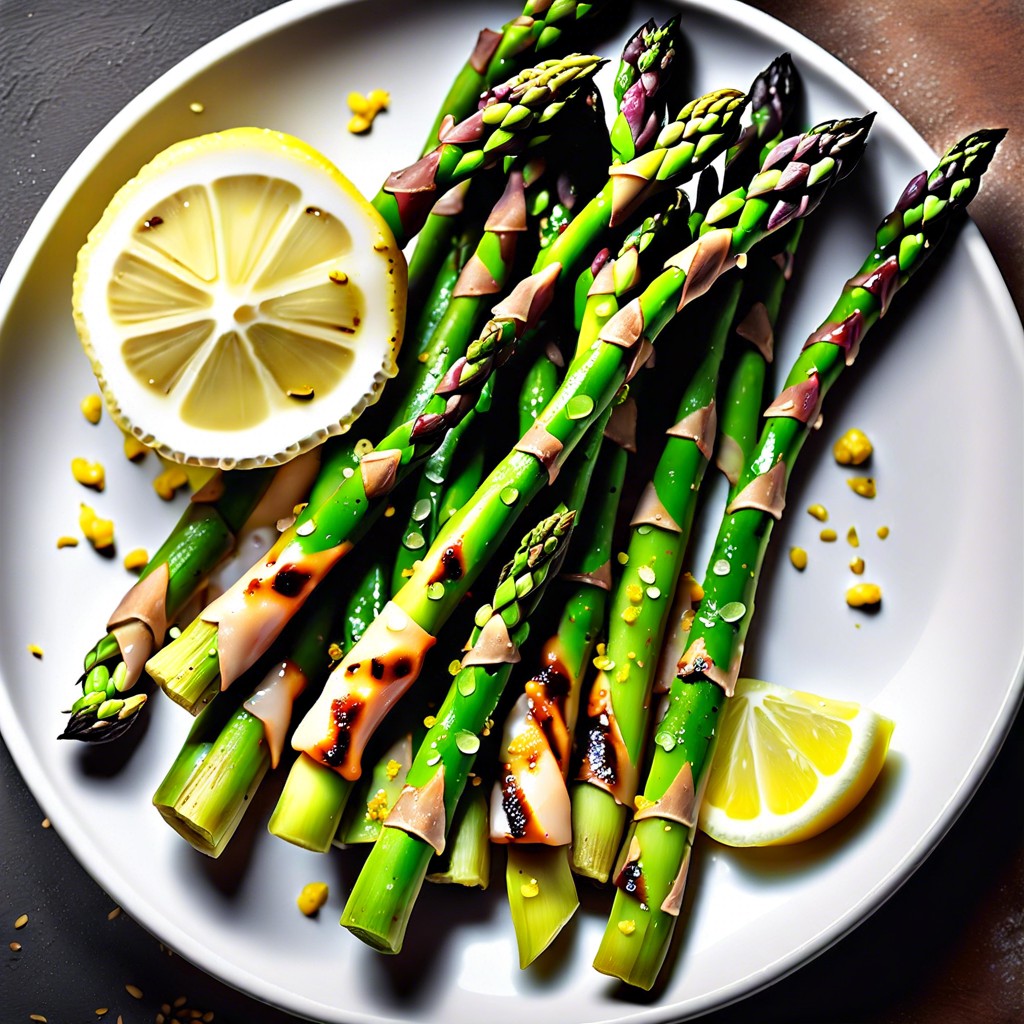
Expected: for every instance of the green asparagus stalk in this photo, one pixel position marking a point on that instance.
(651, 883)
(380, 668)
(383, 896)
(203, 535)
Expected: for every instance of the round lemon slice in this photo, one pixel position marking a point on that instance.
(239, 300)
(789, 764)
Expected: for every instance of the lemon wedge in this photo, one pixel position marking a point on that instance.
(239, 300)
(789, 764)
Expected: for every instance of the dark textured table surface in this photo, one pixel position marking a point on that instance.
(947, 948)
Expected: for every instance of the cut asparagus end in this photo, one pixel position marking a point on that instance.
(381, 901)
(467, 856)
(597, 826)
(309, 809)
(541, 895)
(187, 670)
(635, 942)
(214, 798)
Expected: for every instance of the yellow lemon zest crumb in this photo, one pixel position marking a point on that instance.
(630, 614)
(89, 474)
(196, 107)
(864, 595)
(798, 558)
(92, 408)
(622, 558)
(634, 592)
(67, 542)
(627, 927)
(170, 481)
(530, 889)
(312, 897)
(852, 448)
(818, 511)
(366, 108)
(334, 652)
(851, 537)
(392, 768)
(863, 485)
(882, 532)
(429, 721)
(377, 806)
(98, 532)
(828, 536)
(857, 566)
(35, 650)
(640, 802)
(136, 559)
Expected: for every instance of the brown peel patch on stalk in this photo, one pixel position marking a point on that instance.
(650, 510)
(486, 46)
(418, 177)
(272, 704)
(475, 279)
(630, 183)
(135, 642)
(678, 803)
(420, 811)
(604, 282)
(527, 302)
(626, 328)
(539, 442)
(730, 458)
(801, 401)
(697, 661)
(453, 202)
(673, 902)
(846, 335)
(756, 327)
(493, 646)
(509, 212)
(703, 262)
(630, 877)
(766, 493)
(698, 426)
(621, 426)
(379, 471)
(146, 602)
(252, 612)
(643, 356)
(600, 577)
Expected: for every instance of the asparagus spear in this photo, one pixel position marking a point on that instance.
(512, 118)
(203, 535)
(651, 883)
(383, 896)
(381, 667)
(325, 532)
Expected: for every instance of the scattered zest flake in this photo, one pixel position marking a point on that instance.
(828, 536)
(818, 511)
(35, 650)
(67, 542)
(98, 532)
(863, 485)
(134, 449)
(798, 558)
(170, 481)
(312, 897)
(136, 560)
(853, 448)
(134, 991)
(627, 927)
(365, 109)
(21, 921)
(864, 595)
(92, 408)
(89, 474)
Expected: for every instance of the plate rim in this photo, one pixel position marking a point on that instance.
(81, 844)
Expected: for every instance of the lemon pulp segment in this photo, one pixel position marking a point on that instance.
(239, 300)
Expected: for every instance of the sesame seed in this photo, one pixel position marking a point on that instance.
(45, 823)
(116, 912)
(21, 921)
(15, 947)
(134, 991)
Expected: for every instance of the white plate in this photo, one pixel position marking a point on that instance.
(942, 396)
